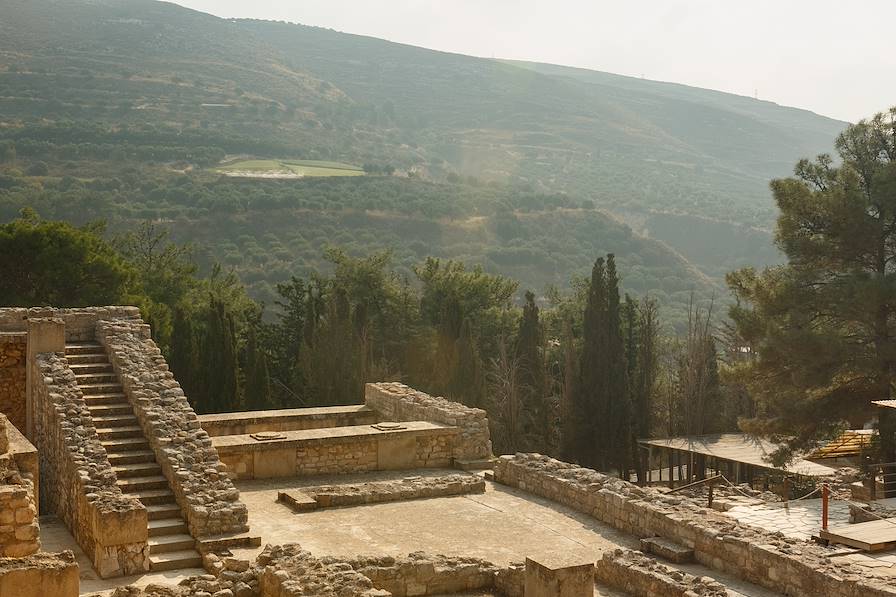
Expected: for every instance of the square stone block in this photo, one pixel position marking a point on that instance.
(396, 453)
(551, 580)
(268, 464)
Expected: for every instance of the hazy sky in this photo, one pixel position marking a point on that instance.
(834, 57)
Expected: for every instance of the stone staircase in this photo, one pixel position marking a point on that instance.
(170, 543)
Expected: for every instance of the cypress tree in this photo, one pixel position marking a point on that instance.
(590, 428)
(258, 383)
(184, 353)
(617, 409)
(529, 345)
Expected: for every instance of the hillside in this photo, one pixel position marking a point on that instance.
(129, 106)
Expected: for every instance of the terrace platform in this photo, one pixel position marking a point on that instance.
(290, 419)
(335, 450)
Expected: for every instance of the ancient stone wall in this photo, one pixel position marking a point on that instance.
(79, 322)
(793, 567)
(40, 575)
(339, 450)
(397, 402)
(77, 481)
(423, 574)
(13, 349)
(184, 451)
(642, 576)
(19, 529)
(354, 494)
(292, 419)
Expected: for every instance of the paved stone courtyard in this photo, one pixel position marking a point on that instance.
(796, 519)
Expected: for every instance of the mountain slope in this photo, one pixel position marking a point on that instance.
(130, 104)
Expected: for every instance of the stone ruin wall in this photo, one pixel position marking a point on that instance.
(79, 322)
(638, 574)
(13, 347)
(19, 529)
(796, 568)
(198, 478)
(290, 571)
(40, 575)
(77, 481)
(398, 402)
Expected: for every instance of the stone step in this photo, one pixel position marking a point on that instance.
(84, 359)
(92, 379)
(169, 543)
(137, 469)
(84, 348)
(125, 444)
(134, 431)
(175, 560)
(167, 526)
(131, 457)
(137, 484)
(667, 549)
(90, 368)
(117, 398)
(162, 511)
(93, 389)
(110, 410)
(154, 497)
(116, 420)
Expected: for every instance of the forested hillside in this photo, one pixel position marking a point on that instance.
(122, 110)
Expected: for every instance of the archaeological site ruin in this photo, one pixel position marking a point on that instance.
(110, 484)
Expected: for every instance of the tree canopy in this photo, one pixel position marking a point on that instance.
(822, 328)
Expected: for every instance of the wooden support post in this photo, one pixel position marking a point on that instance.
(824, 506)
(671, 468)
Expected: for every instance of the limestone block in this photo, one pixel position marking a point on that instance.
(41, 575)
(551, 580)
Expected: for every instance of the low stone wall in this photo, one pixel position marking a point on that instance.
(184, 451)
(398, 402)
(641, 576)
(79, 322)
(422, 574)
(338, 450)
(40, 575)
(19, 530)
(354, 494)
(290, 571)
(796, 568)
(293, 419)
(13, 350)
(77, 481)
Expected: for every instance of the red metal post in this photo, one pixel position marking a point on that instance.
(824, 507)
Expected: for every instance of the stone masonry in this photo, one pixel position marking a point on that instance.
(13, 347)
(397, 402)
(78, 483)
(642, 576)
(184, 451)
(19, 529)
(793, 567)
